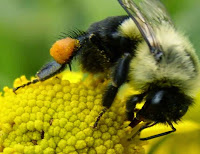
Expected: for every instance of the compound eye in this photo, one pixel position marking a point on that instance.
(157, 98)
(155, 107)
(166, 104)
(63, 49)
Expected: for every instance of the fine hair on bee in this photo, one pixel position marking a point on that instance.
(143, 49)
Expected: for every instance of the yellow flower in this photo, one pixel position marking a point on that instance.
(55, 116)
(184, 141)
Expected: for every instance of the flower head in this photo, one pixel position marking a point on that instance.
(56, 115)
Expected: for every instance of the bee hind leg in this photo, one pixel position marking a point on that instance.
(44, 73)
(26, 84)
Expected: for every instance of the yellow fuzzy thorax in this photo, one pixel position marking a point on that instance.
(55, 116)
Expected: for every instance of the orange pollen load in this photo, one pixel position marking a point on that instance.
(62, 49)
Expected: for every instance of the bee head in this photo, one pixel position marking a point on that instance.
(165, 105)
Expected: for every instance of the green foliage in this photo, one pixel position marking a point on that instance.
(29, 28)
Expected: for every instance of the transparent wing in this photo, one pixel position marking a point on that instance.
(154, 12)
(148, 14)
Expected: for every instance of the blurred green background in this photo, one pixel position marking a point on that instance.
(28, 28)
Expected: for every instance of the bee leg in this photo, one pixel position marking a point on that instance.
(54, 67)
(26, 84)
(158, 135)
(50, 70)
(147, 125)
(119, 76)
(108, 98)
(44, 73)
(131, 103)
(139, 118)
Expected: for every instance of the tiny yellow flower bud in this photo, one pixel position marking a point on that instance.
(80, 144)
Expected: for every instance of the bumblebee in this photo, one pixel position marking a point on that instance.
(143, 49)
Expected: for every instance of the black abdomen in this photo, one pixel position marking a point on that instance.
(104, 45)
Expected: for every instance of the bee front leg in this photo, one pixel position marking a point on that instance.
(131, 103)
(119, 76)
